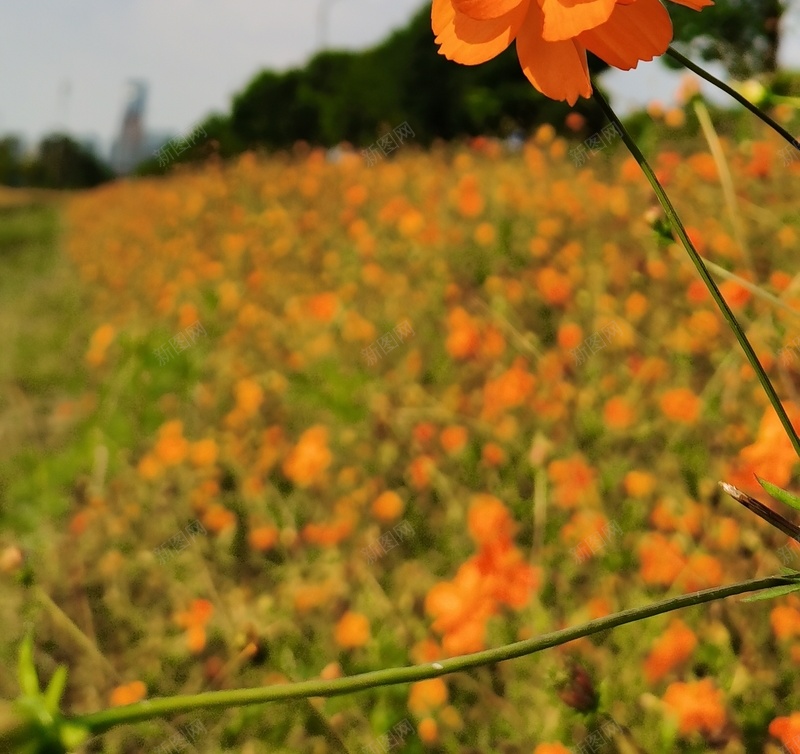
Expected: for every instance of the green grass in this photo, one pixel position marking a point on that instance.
(41, 364)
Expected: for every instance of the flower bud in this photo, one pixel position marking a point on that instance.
(579, 692)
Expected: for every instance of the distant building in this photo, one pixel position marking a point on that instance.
(130, 147)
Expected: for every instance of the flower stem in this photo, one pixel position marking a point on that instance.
(703, 270)
(673, 53)
(99, 722)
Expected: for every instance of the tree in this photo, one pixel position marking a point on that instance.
(63, 163)
(744, 35)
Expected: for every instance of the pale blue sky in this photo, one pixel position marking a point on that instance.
(195, 54)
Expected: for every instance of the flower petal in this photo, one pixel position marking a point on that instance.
(557, 69)
(484, 9)
(695, 4)
(565, 19)
(468, 41)
(636, 32)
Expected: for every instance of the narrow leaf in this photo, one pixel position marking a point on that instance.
(777, 591)
(28, 681)
(785, 497)
(52, 695)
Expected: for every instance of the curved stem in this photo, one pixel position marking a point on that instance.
(673, 53)
(101, 721)
(703, 270)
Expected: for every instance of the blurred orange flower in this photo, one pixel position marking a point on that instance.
(670, 649)
(129, 693)
(697, 705)
(352, 631)
(310, 458)
(454, 439)
(787, 731)
(680, 405)
(426, 696)
(387, 506)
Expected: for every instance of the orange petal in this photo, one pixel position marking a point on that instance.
(557, 69)
(485, 9)
(640, 31)
(695, 4)
(470, 42)
(565, 19)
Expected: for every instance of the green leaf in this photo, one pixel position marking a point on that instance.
(52, 695)
(73, 735)
(785, 497)
(28, 681)
(776, 591)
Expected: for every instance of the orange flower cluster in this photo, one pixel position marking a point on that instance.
(697, 705)
(467, 337)
(574, 482)
(509, 390)
(194, 620)
(495, 576)
(669, 516)
(662, 560)
(670, 650)
(310, 458)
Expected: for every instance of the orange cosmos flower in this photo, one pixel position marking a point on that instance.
(698, 706)
(309, 459)
(352, 631)
(387, 506)
(129, 693)
(787, 729)
(671, 649)
(553, 36)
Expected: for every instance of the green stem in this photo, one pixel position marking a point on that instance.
(673, 53)
(99, 722)
(703, 270)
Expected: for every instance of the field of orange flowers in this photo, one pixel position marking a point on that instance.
(338, 418)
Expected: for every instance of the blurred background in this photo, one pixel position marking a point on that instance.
(91, 90)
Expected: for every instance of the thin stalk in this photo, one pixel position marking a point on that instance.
(724, 178)
(673, 53)
(703, 270)
(99, 722)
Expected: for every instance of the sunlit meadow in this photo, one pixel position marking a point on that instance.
(322, 418)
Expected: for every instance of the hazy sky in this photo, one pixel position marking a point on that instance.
(66, 62)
